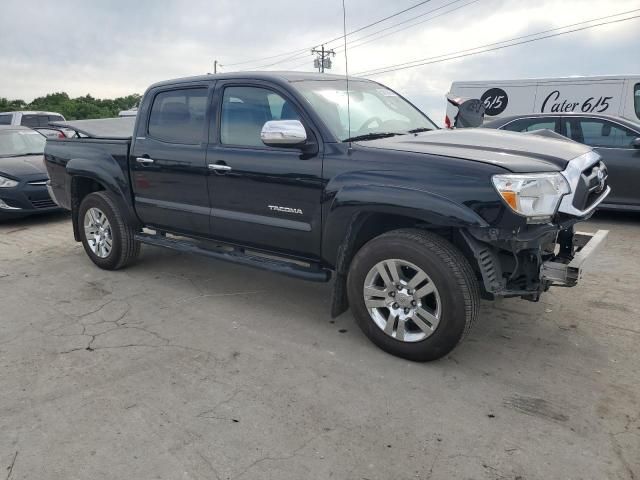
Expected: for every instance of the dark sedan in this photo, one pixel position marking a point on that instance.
(615, 139)
(23, 177)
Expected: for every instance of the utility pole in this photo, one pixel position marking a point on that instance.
(323, 59)
(215, 66)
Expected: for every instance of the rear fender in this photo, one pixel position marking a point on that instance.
(106, 172)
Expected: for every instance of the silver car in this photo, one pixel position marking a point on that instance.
(617, 141)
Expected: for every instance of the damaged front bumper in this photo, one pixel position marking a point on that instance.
(529, 265)
(566, 271)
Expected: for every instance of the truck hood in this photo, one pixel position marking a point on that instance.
(27, 166)
(517, 152)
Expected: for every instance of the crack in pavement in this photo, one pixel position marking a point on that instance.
(120, 325)
(211, 295)
(289, 456)
(10, 467)
(206, 413)
(213, 469)
(617, 449)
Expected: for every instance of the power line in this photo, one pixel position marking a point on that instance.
(292, 57)
(408, 20)
(298, 52)
(264, 58)
(298, 65)
(340, 48)
(461, 54)
(384, 19)
(353, 43)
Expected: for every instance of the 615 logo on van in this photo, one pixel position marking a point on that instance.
(495, 100)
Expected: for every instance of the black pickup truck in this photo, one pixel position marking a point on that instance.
(307, 176)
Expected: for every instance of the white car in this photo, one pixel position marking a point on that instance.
(30, 118)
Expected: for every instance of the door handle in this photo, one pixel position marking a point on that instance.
(144, 160)
(219, 167)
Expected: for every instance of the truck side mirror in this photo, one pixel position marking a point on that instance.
(636, 142)
(283, 133)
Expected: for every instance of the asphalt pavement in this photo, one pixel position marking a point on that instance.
(182, 367)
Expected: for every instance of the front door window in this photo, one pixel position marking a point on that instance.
(245, 110)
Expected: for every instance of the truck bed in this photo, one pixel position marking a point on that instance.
(104, 128)
(106, 151)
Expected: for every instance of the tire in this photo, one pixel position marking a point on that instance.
(441, 307)
(124, 249)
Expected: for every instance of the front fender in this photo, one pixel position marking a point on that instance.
(354, 202)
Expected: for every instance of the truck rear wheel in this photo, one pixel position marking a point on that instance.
(413, 294)
(106, 236)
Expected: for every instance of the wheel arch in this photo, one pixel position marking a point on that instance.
(351, 223)
(89, 176)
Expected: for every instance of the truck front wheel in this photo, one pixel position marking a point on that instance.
(106, 236)
(413, 294)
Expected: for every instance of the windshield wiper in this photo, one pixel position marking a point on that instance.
(372, 136)
(419, 130)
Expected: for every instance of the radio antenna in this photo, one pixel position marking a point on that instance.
(346, 67)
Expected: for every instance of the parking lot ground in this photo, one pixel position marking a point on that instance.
(181, 367)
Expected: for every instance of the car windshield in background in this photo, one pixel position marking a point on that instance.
(14, 143)
(637, 99)
(376, 111)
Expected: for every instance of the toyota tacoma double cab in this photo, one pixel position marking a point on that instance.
(319, 176)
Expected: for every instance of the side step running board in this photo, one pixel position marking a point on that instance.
(311, 273)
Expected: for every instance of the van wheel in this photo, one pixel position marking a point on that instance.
(106, 236)
(413, 294)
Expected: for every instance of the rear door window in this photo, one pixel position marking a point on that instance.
(39, 120)
(5, 119)
(531, 124)
(30, 121)
(177, 116)
(602, 133)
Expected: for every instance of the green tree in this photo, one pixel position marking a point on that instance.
(9, 105)
(78, 108)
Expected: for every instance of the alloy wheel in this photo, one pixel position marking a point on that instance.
(98, 232)
(402, 300)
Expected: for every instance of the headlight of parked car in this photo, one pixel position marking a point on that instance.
(7, 182)
(534, 195)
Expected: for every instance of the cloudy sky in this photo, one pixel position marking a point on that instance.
(115, 47)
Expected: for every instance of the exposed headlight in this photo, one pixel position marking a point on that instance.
(534, 195)
(7, 182)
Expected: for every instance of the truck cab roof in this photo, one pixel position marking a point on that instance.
(277, 76)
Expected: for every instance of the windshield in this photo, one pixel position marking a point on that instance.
(375, 110)
(14, 143)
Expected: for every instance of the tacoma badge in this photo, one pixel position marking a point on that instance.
(276, 208)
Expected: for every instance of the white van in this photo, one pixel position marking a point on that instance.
(617, 95)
